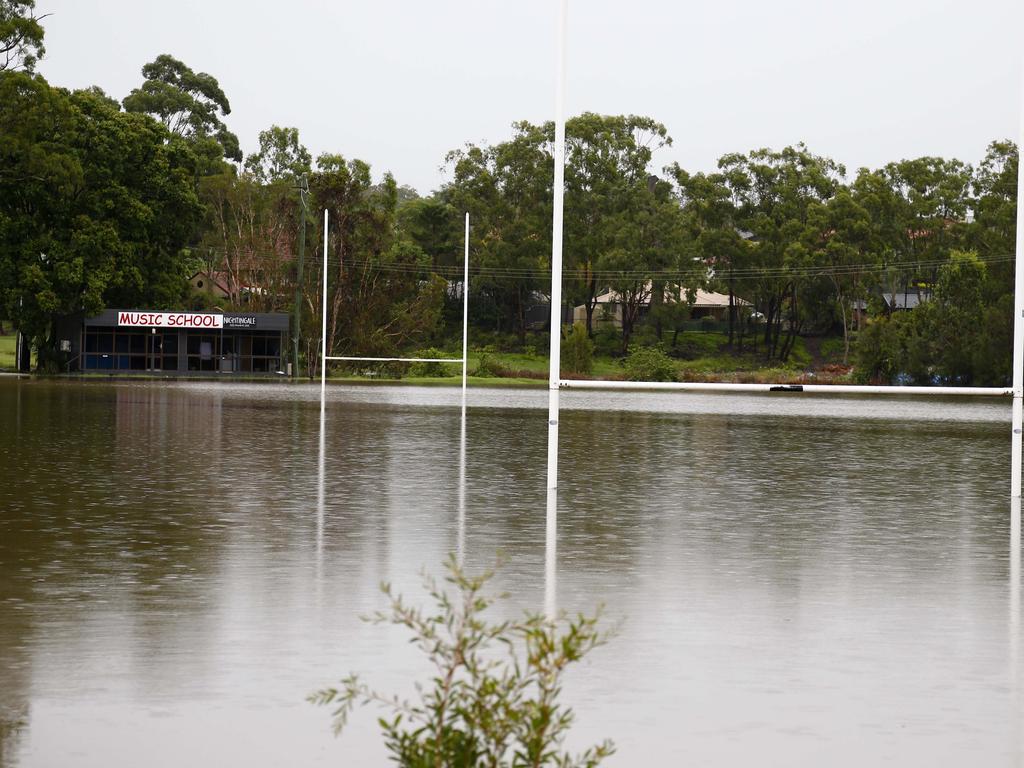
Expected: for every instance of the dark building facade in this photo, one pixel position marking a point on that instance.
(180, 343)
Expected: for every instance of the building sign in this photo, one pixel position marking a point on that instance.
(169, 320)
(239, 321)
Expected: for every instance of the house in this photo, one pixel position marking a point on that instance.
(705, 304)
(894, 301)
(217, 285)
(212, 284)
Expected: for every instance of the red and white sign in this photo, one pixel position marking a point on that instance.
(169, 320)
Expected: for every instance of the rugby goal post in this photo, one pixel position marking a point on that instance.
(324, 357)
(555, 382)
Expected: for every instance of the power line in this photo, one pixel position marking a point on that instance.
(806, 271)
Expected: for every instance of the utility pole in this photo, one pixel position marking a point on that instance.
(303, 187)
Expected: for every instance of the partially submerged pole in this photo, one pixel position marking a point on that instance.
(1018, 318)
(323, 325)
(554, 365)
(465, 318)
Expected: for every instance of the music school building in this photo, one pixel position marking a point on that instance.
(140, 341)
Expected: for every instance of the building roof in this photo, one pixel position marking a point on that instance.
(703, 299)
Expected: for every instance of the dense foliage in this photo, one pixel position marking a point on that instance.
(108, 206)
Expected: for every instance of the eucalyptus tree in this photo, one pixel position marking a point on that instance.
(189, 104)
(712, 215)
(281, 157)
(608, 179)
(994, 205)
(21, 35)
(507, 190)
(930, 198)
(648, 260)
(775, 192)
(381, 295)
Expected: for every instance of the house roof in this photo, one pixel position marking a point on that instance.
(215, 278)
(703, 299)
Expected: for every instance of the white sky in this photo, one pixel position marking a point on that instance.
(398, 83)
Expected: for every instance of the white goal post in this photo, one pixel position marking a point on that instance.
(555, 382)
(324, 357)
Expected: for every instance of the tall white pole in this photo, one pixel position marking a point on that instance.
(323, 325)
(555, 355)
(1018, 317)
(465, 318)
(554, 366)
(460, 548)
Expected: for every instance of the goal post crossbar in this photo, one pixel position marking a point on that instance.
(815, 389)
(458, 360)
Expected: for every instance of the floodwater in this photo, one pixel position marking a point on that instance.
(798, 581)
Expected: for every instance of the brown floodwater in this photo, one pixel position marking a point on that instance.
(799, 581)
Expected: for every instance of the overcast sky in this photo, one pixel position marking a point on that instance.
(398, 83)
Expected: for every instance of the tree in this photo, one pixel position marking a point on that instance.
(188, 103)
(838, 238)
(507, 190)
(712, 218)
(775, 193)
(281, 157)
(607, 171)
(250, 237)
(647, 262)
(926, 205)
(381, 297)
(96, 206)
(21, 35)
(493, 698)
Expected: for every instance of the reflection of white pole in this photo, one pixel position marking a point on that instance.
(323, 326)
(320, 501)
(465, 322)
(554, 366)
(551, 556)
(460, 541)
(1014, 623)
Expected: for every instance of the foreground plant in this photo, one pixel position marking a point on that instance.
(493, 698)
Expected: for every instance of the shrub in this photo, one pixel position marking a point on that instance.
(607, 341)
(433, 370)
(493, 694)
(488, 367)
(578, 350)
(649, 364)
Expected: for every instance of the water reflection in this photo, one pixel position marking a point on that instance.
(460, 536)
(784, 582)
(1014, 624)
(551, 554)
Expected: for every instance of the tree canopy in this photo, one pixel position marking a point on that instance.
(189, 104)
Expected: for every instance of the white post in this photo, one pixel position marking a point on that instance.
(1018, 317)
(460, 547)
(323, 326)
(555, 355)
(465, 319)
(554, 366)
